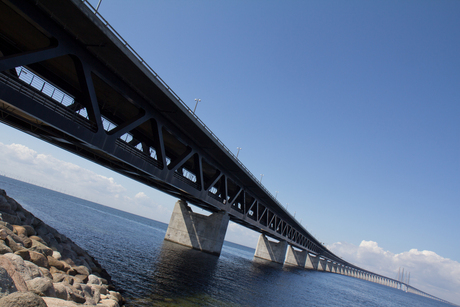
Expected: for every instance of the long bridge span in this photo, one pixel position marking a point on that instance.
(67, 77)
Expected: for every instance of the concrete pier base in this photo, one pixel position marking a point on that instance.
(271, 251)
(295, 258)
(205, 233)
(322, 264)
(311, 262)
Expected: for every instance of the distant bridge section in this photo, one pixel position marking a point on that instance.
(67, 77)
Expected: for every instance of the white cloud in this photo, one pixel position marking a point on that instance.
(23, 163)
(429, 271)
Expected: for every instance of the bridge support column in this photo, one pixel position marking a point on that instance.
(296, 258)
(272, 251)
(322, 265)
(311, 262)
(205, 233)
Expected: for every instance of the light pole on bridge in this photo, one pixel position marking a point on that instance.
(196, 104)
(238, 152)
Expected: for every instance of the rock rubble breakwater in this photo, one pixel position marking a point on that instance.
(42, 268)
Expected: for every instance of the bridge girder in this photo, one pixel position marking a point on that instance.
(118, 114)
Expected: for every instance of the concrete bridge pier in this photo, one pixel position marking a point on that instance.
(205, 233)
(272, 251)
(322, 264)
(311, 262)
(295, 258)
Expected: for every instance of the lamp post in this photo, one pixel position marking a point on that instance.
(276, 195)
(238, 152)
(261, 176)
(196, 104)
(98, 4)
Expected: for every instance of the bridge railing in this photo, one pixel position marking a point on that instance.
(143, 62)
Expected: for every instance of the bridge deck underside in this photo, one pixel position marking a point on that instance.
(68, 80)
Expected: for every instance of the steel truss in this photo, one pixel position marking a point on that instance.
(128, 125)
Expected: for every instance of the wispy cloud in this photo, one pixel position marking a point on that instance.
(429, 271)
(26, 164)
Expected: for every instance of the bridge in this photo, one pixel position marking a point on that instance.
(68, 78)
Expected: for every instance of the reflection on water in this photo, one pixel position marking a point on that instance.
(181, 277)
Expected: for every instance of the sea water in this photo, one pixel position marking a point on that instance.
(149, 271)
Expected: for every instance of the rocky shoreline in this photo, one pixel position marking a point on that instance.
(40, 267)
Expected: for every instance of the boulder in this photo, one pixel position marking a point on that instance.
(108, 303)
(91, 296)
(23, 299)
(13, 204)
(10, 218)
(12, 244)
(35, 270)
(30, 231)
(7, 285)
(117, 296)
(19, 230)
(4, 248)
(3, 234)
(6, 225)
(41, 248)
(82, 270)
(82, 279)
(62, 277)
(57, 255)
(94, 280)
(56, 263)
(60, 290)
(5, 205)
(37, 238)
(57, 302)
(16, 267)
(24, 253)
(39, 259)
(41, 286)
(46, 273)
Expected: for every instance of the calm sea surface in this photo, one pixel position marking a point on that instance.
(151, 272)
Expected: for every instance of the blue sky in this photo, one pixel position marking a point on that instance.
(350, 109)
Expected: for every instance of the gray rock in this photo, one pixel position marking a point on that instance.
(41, 248)
(35, 270)
(4, 224)
(83, 270)
(13, 204)
(24, 253)
(7, 285)
(5, 205)
(11, 268)
(3, 234)
(19, 266)
(92, 297)
(39, 259)
(10, 218)
(46, 273)
(23, 299)
(94, 280)
(60, 289)
(57, 302)
(41, 286)
(12, 244)
(30, 230)
(4, 249)
(108, 303)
